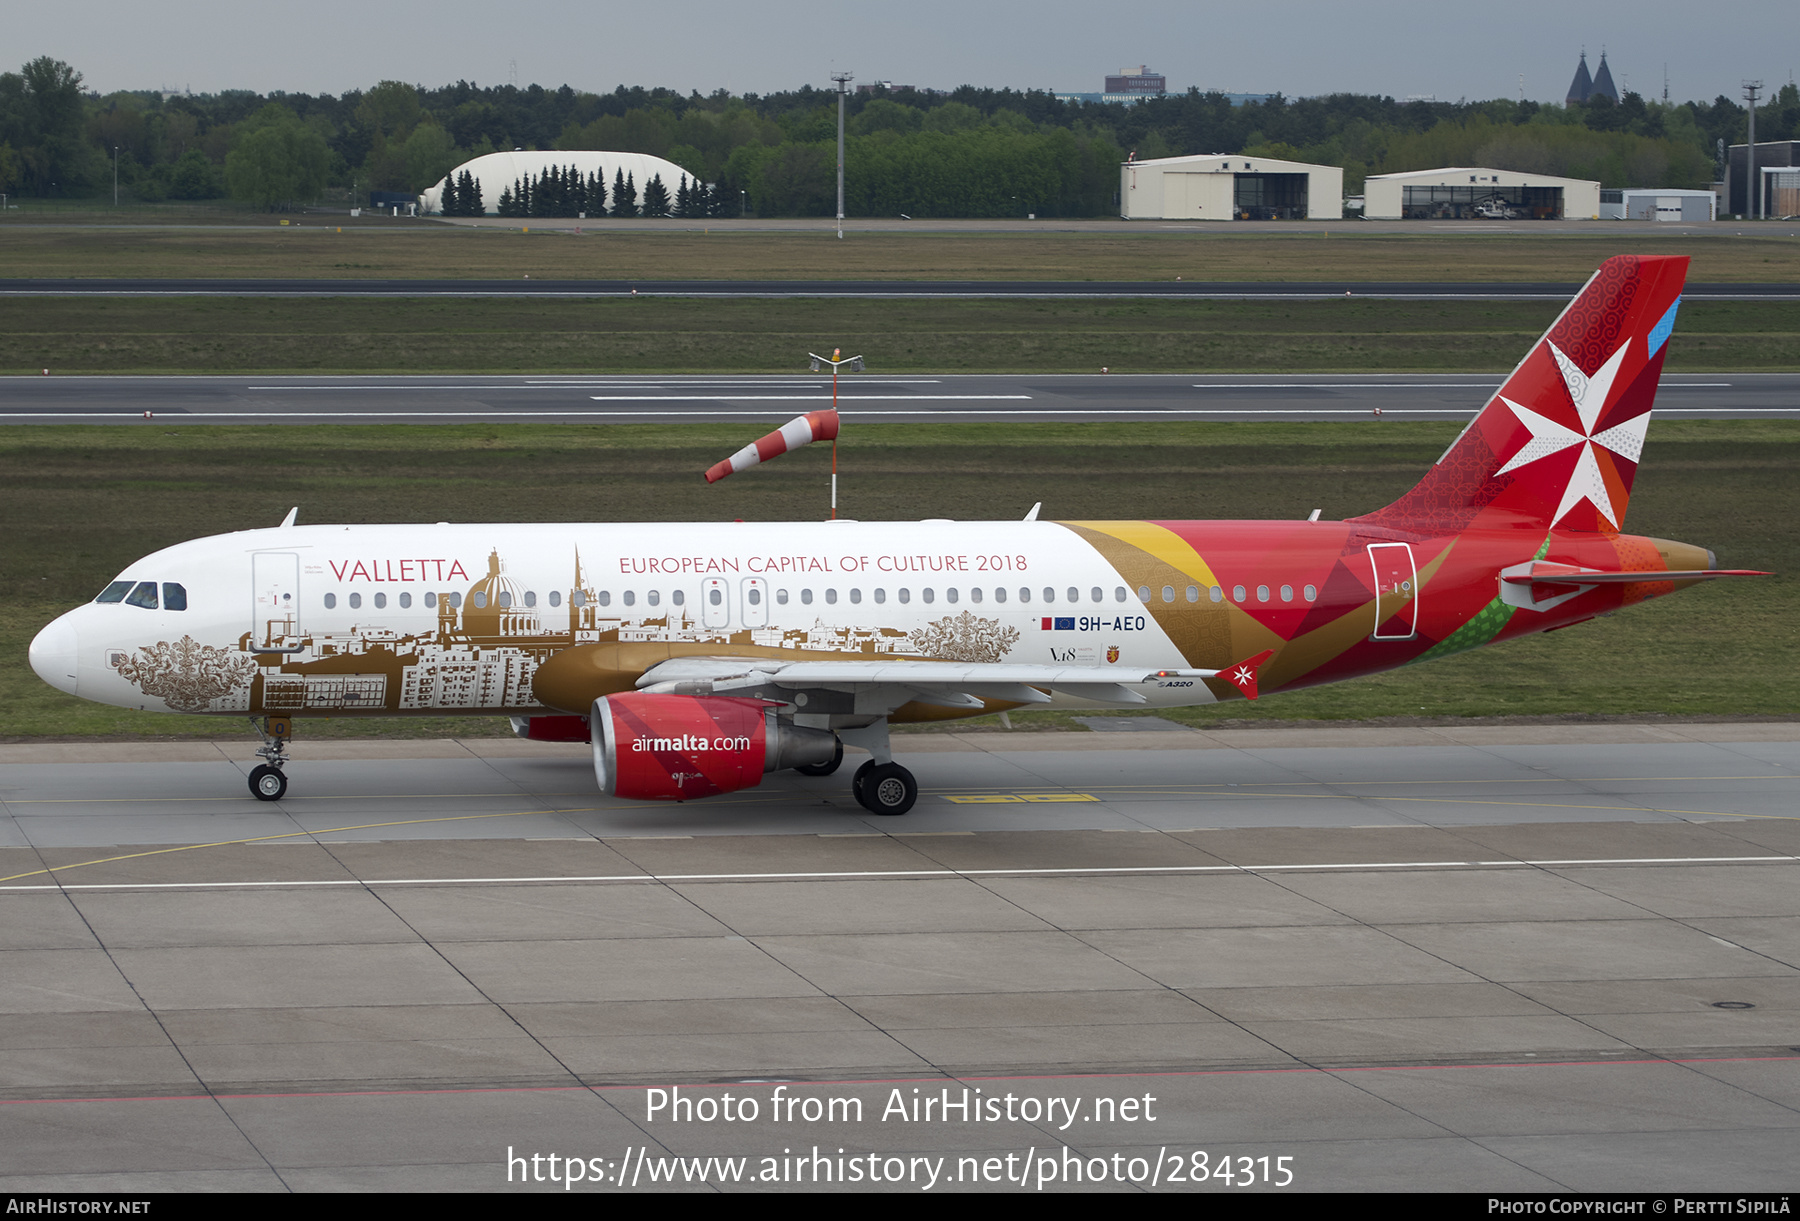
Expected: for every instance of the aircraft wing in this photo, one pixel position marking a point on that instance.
(886, 685)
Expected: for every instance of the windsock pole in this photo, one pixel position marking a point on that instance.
(837, 360)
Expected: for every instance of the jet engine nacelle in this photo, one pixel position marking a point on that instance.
(678, 747)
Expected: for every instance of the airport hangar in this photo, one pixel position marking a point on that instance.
(1458, 192)
(498, 171)
(1229, 186)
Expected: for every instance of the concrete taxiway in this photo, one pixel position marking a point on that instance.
(1480, 958)
(901, 398)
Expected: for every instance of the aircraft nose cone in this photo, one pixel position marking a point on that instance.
(53, 654)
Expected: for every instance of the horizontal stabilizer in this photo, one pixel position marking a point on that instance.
(1568, 574)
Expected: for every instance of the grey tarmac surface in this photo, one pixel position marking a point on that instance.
(871, 396)
(1485, 957)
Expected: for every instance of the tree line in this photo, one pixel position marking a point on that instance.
(561, 191)
(970, 152)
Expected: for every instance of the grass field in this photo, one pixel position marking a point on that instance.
(78, 504)
(348, 334)
(1109, 250)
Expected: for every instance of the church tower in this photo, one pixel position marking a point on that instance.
(1603, 82)
(1583, 84)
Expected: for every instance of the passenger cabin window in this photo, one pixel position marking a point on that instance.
(556, 598)
(330, 601)
(174, 596)
(405, 601)
(115, 592)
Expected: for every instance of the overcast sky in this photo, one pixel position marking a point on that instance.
(1298, 48)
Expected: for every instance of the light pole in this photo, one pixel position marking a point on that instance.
(115, 175)
(843, 80)
(1750, 89)
(855, 364)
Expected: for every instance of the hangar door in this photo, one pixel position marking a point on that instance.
(1270, 196)
(1196, 197)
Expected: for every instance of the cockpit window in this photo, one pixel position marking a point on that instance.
(174, 596)
(144, 595)
(115, 592)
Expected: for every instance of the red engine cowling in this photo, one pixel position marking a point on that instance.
(678, 747)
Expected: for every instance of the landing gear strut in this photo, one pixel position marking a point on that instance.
(267, 782)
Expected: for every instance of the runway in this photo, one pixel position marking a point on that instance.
(1482, 958)
(901, 398)
(1199, 290)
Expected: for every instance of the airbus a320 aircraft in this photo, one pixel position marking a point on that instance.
(697, 658)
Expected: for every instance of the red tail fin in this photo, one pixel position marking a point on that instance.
(1559, 444)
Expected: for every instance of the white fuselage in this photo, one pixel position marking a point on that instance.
(337, 620)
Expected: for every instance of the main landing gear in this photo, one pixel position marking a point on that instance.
(880, 786)
(884, 788)
(267, 781)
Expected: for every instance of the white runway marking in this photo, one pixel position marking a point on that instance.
(1097, 871)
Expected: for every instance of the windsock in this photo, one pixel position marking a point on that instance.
(802, 430)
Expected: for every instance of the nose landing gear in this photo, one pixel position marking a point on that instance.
(267, 781)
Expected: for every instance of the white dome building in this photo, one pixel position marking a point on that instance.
(498, 171)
